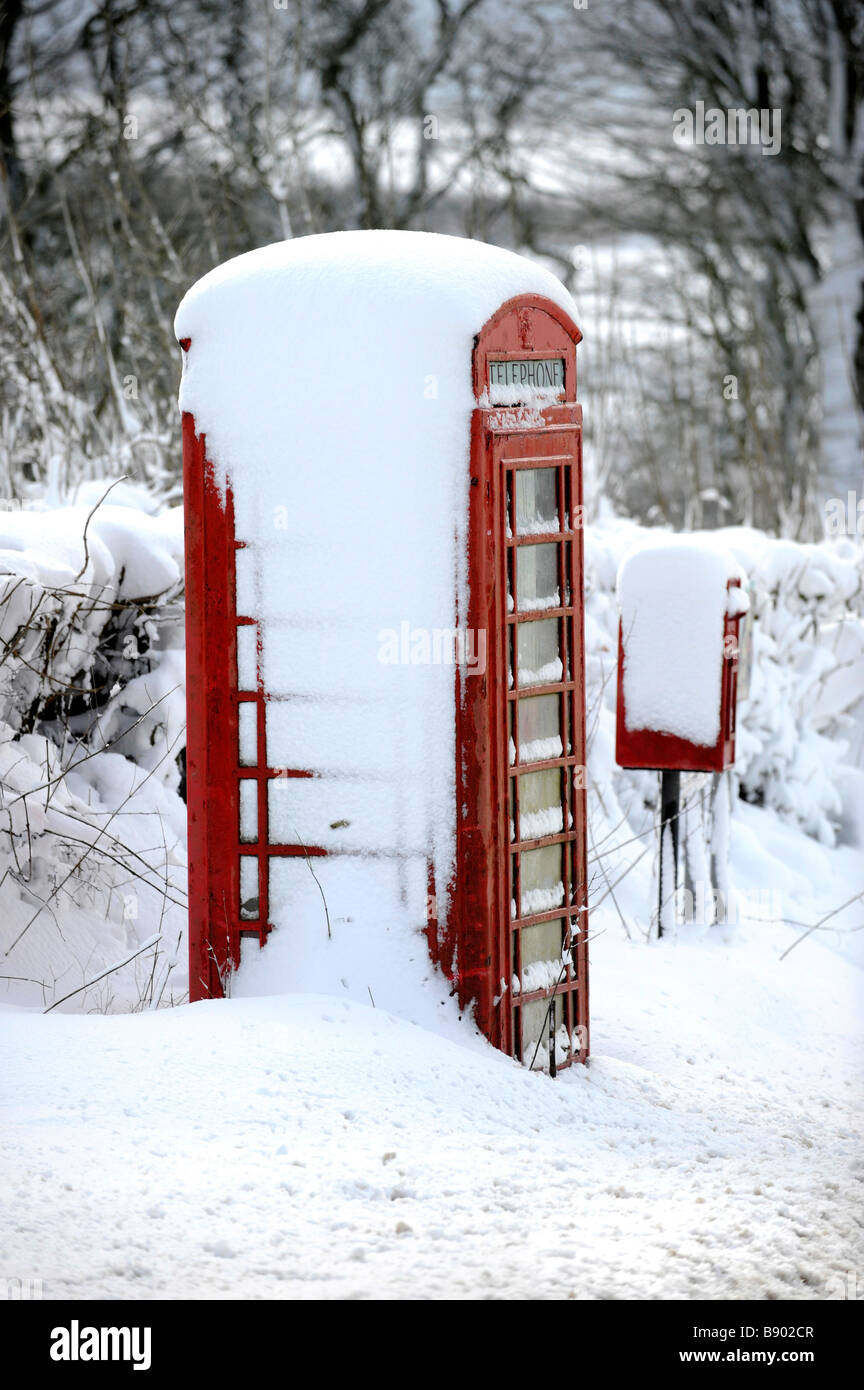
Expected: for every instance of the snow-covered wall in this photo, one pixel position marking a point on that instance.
(331, 376)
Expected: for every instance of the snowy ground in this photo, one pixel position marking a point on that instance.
(311, 1147)
(301, 1146)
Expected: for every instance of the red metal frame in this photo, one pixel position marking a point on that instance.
(211, 673)
(216, 919)
(646, 748)
(480, 945)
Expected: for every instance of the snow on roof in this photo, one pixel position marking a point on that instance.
(673, 599)
(433, 288)
(332, 378)
(352, 348)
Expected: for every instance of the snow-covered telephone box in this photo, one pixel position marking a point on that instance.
(386, 708)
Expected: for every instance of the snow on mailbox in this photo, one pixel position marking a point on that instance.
(386, 711)
(681, 605)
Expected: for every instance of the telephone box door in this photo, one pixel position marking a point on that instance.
(543, 673)
(518, 924)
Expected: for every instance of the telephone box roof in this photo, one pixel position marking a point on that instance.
(365, 322)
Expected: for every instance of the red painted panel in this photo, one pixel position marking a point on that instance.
(211, 722)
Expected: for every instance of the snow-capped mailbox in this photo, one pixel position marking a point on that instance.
(386, 712)
(681, 606)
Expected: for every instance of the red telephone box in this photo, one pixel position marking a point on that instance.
(509, 928)
(517, 925)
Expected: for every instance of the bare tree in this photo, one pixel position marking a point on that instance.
(142, 143)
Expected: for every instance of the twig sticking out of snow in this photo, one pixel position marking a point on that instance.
(318, 882)
(856, 898)
(90, 516)
(148, 945)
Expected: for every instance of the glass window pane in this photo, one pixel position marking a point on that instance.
(539, 728)
(247, 733)
(536, 501)
(540, 804)
(537, 577)
(542, 885)
(245, 566)
(247, 657)
(535, 1029)
(538, 652)
(248, 810)
(248, 888)
(568, 561)
(542, 965)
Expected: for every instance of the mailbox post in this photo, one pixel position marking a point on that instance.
(505, 915)
(681, 609)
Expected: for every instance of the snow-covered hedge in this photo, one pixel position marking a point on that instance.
(92, 714)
